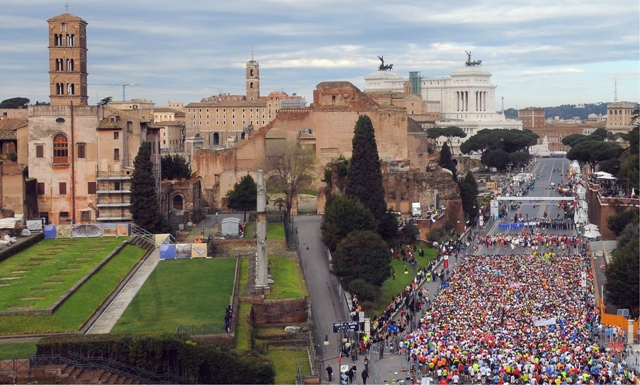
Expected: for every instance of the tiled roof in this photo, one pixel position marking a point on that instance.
(66, 17)
(115, 124)
(13, 124)
(164, 109)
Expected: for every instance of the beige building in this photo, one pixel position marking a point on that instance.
(133, 104)
(619, 117)
(223, 120)
(421, 111)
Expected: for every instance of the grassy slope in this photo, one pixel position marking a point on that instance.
(287, 282)
(49, 260)
(285, 363)
(275, 231)
(392, 287)
(183, 291)
(79, 307)
(17, 350)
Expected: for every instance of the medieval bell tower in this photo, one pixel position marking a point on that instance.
(253, 80)
(67, 60)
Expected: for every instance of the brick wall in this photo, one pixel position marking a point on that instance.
(279, 311)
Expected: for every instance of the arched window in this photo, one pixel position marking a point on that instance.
(251, 85)
(250, 72)
(178, 202)
(60, 149)
(70, 89)
(216, 139)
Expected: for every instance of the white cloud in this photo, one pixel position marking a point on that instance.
(554, 71)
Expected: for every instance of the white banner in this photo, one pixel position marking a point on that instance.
(545, 322)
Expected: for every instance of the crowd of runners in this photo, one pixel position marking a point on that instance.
(512, 319)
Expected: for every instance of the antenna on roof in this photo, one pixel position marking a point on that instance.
(251, 51)
(615, 90)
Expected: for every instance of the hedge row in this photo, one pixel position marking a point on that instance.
(167, 353)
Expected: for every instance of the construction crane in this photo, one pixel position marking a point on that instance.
(124, 86)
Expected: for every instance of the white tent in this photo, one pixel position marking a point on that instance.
(592, 234)
(603, 175)
(591, 227)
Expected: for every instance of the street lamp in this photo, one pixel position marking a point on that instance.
(326, 340)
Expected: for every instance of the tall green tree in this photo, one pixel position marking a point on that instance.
(519, 159)
(16, 102)
(622, 286)
(175, 167)
(446, 160)
(509, 141)
(244, 195)
(364, 255)
(498, 159)
(364, 177)
(593, 152)
(469, 195)
(145, 208)
(449, 132)
(618, 222)
(342, 215)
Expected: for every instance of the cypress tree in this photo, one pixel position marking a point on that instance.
(469, 195)
(364, 178)
(446, 160)
(144, 198)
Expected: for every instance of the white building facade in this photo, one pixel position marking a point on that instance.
(466, 98)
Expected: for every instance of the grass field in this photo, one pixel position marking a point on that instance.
(275, 231)
(17, 350)
(78, 308)
(392, 287)
(36, 277)
(287, 282)
(180, 292)
(248, 231)
(243, 327)
(285, 363)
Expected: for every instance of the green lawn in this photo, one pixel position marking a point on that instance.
(243, 327)
(180, 292)
(392, 287)
(287, 282)
(285, 363)
(36, 277)
(275, 231)
(244, 275)
(17, 350)
(78, 308)
(248, 231)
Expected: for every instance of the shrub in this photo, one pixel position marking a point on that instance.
(436, 235)
(364, 290)
(165, 353)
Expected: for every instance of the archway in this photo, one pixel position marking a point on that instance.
(178, 202)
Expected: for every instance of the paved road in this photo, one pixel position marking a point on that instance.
(325, 305)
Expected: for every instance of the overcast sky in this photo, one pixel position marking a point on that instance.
(541, 52)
